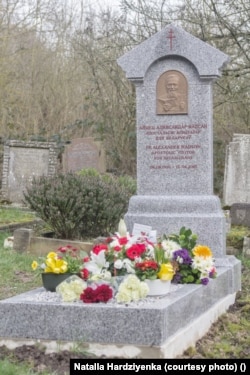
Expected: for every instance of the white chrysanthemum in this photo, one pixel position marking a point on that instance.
(132, 282)
(123, 296)
(135, 295)
(70, 290)
(204, 265)
(131, 289)
(169, 246)
(144, 289)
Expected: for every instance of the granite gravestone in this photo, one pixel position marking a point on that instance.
(240, 214)
(175, 135)
(237, 171)
(84, 153)
(23, 161)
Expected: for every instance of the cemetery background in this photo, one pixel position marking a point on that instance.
(79, 90)
(237, 93)
(219, 58)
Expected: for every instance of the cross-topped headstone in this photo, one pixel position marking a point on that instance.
(173, 73)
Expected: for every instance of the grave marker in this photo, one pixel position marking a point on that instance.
(175, 135)
(84, 153)
(23, 161)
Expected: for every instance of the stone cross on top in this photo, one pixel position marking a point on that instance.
(173, 72)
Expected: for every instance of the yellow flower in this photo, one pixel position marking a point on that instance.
(56, 265)
(52, 254)
(166, 272)
(202, 251)
(34, 265)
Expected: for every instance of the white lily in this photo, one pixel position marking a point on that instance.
(122, 228)
(97, 262)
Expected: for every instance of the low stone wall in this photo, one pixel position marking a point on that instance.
(25, 241)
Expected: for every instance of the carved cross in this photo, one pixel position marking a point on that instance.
(171, 37)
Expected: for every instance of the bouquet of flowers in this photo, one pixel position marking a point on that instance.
(123, 254)
(136, 258)
(192, 262)
(175, 257)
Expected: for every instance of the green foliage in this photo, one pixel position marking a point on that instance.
(236, 236)
(82, 205)
(185, 238)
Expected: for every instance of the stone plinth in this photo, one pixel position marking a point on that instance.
(156, 328)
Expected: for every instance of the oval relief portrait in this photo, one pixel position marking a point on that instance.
(171, 94)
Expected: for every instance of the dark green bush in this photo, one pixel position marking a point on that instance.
(80, 206)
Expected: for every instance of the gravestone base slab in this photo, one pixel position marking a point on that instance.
(167, 214)
(158, 327)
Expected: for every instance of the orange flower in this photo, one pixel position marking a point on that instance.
(202, 251)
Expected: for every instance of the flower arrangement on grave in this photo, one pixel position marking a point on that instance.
(124, 254)
(120, 266)
(66, 259)
(192, 262)
(175, 257)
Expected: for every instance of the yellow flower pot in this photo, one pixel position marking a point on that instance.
(158, 287)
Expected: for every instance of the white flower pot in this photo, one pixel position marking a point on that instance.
(158, 287)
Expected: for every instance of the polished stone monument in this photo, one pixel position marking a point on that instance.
(174, 82)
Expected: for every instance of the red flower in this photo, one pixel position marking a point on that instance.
(97, 248)
(64, 249)
(135, 251)
(117, 248)
(102, 293)
(147, 264)
(84, 273)
(122, 240)
(88, 295)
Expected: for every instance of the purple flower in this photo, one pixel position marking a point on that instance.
(184, 255)
(205, 281)
(177, 278)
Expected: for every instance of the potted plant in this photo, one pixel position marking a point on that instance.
(58, 265)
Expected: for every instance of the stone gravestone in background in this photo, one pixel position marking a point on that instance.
(175, 135)
(237, 171)
(240, 214)
(84, 153)
(23, 161)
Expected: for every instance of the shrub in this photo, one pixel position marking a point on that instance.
(83, 205)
